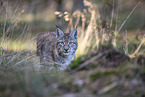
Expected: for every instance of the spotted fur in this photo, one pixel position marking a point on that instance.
(57, 48)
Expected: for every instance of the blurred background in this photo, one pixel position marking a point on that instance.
(40, 12)
(110, 60)
(27, 18)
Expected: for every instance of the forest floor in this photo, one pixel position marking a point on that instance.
(107, 73)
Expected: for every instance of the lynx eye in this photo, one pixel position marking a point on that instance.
(62, 43)
(71, 43)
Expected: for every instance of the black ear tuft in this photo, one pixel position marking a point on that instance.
(74, 34)
(59, 33)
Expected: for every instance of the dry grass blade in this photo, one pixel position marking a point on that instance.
(88, 33)
(112, 13)
(138, 48)
(24, 60)
(128, 17)
(126, 45)
(3, 37)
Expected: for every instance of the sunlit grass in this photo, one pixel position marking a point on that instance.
(19, 45)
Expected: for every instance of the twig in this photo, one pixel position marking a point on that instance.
(108, 88)
(90, 60)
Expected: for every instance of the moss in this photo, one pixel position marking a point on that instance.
(96, 75)
(110, 73)
(76, 62)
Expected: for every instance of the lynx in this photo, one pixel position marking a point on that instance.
(57, 48)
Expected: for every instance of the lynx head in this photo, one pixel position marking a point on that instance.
(66, 42)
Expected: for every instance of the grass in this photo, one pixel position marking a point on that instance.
(20, 76)
(29, 83)
(19, 45)
(91, 36)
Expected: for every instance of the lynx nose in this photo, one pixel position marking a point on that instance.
(66, 49)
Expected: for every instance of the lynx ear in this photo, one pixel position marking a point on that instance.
(74, 34)
(59, 33)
